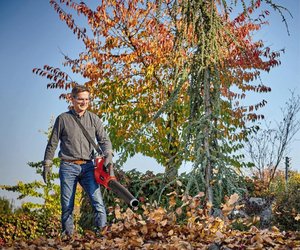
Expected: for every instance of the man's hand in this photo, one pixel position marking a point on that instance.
(108, 163)
(108, 160)
(46, 173)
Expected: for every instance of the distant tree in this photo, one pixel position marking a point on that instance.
(269, 145)
(6, 206)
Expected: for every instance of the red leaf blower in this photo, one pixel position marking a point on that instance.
(105, 176)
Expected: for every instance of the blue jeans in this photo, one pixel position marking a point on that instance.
(70, 174)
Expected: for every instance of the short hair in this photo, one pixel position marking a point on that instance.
(78, 89)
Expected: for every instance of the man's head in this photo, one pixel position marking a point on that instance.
(80, 98)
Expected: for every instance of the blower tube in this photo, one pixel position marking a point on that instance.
(123, 193)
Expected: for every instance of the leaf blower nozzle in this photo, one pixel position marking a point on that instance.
(134, 203)
(109, 181)
(123, 193)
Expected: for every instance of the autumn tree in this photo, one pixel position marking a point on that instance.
(134, 64)
(168, 77)
(225, 64)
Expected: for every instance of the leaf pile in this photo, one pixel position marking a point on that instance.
(159, 228)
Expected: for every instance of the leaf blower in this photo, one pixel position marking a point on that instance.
(105, 177)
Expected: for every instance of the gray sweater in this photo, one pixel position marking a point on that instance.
(73, 143)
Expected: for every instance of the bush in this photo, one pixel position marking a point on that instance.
(287, 206)
(256, 187)
(6, 206)
(27, 226)
(264, 188)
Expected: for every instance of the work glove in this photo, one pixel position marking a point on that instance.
(108, 159)
(46, 173)
(108, 163)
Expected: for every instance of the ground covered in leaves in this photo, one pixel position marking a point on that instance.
(185, 227)
(165, 237)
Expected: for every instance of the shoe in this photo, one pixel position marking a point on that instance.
(65, 237)
(106, 230)
(102, 232)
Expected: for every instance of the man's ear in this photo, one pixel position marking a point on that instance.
(72, 98)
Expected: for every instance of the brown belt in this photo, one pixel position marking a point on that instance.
(78, 162)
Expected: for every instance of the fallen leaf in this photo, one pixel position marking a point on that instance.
(233, 199)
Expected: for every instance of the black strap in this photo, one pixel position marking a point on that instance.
(86, 134)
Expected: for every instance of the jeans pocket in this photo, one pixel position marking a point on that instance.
(66, 164)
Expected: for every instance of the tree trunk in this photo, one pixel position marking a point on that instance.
(173, 164)
(207, 137)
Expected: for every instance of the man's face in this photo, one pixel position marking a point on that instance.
(81, 102)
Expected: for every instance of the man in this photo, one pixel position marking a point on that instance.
(76, 155)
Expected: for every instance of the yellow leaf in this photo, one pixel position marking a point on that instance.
(159, 234)
(157, 215)
(226, 209)
(253, 229)
(192, 219)
(219, 235)
(118, 213)
(172, 193)
(257, 238)
(233, 199)
(142, 222)
(255, 219)
(164, 222)
(144, 230)
(268, 240)
(209, 205)
(136, 241)
(179, 211)
(275, 229)
(172, 201)
(129, 214)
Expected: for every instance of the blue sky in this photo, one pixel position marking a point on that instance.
(31, 35)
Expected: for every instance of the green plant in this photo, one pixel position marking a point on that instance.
(48, 194)
(287, 207)
(27, 226)
(37, 218)
(6, 206)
